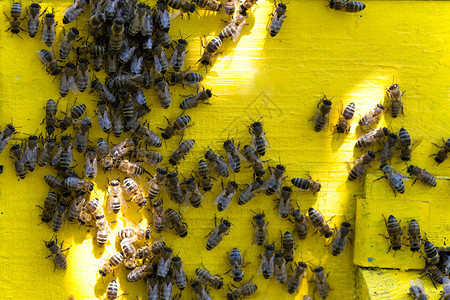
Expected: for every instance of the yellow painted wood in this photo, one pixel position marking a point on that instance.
(351, 57)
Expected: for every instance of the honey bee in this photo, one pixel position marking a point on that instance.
(163, 38)
(322, 286)
(210, 50)
(50, 116)
(6, 135)
(148, 135)
(182, 150)
(284, 203)
(48, 29)
(117, 120)
(30, 152)
(68, 80)
(164, 262)
(97, 19)
(124, 148)
(204, 172)
(82, 135)
(58, 217)
(75, 113)
(361, 165)
(166, 290)
(48, 59)
(267, 262)
(152, 287)
(194, 100)
(115, 199)
(260, 225)
(105, 94)
(441, 156)
(217, 162)
(370, 138)
(234, 28)
(395, 233)
(307, 184)
(59, 259)
(78, 185)
(103, 230)
(345, 5)
(75, 208)
(193, 193)
(199, 291)
(178, 273)
(415, 238)
(273, 183)
(216, 235)
(246, 290)
(177, 223)
(223, 200)
(129, 168)
(280, 271)
(323, 114)
(344, 122)
(127, 52)
(179, 55)
(233, 155)
(404, 142)
(151, 157)
(92, 207)
(371, 118)
(435, 274)
(160, 59)
(431, 253)
(205, 277)
(446, 291)
(116, 38)
(250, 191)
(395, 95)
(212, 5)
(288, 246)
(105, 159)
(133, 189)
(112, 290)
(154, 249)
(110, 9)
(248, 4)
(395, 178)
(178, 126)
(295, 280)
(257, 165)
(138, 20)
(159, 216)
(34, 12)
(90, 168)
(259, 140)
(67, 42)
(15, 20)
(19, 161)
(165, 99)
(300, 224)
(113, 262)
(422, 174)
(74, 11)
(388, 149)
(278, 16)
(52, 181)
(141, 272)
(229, 7)
(235, 261)
(129, 251)
(318, 221)
(340, 240)
(50, 203)
(162, 16)
(156, 183)
(417, 290)
(83, 80)
(186, 78)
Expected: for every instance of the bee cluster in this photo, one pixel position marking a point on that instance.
(129, 39)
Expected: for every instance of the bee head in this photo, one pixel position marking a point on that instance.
(318, 269)
(209, 93)
(410, 169)
(346, 224)
(371, 154)
(282, 5)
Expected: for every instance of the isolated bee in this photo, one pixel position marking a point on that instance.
(50, 116)
(48, 29)
(116, 38)
(74, 11)
(68, 80)
(252, 157)
(106, 161)
(15, 20)
(34, 12)
(204, 172)
(30, 152)
(129, 168)
(187, 78)
(92, 207)
(82, 135)
(371, 118)
(370, 138)
(415, 238)
(300, 224)
(6, 135)
(124, 148)
(441, 156)
(340, 240)
(141, 272)
(322, 285)
(395, 178)
(421, 174)
(182, 150)
(132, 188)
(67, 42)
(151, 157)
(115, 198)
(59, 216)
(194, 100)
(249, 192)
(318, 221)
(246, 290)
(295, 280)
(260, 235)
(234, 28)
(288, 246)
(229, 7)
(178, 126)
(395, 233)
(199, 291)
(235, 261)
(344, 122)
(307, 184)
(178, 273)
(259, 140)
(205, 277)
(162, 89)
(50, 203)
(193, 193)
(212, 5)
(138, 20)
(223, 200)
(216, 235)
(48, 59)
(210, 50)
(103, 230)
(164, 262)
(278, 16)
(159, 216)
(19, 161)
(220, 166)
(177, 223)
(417, 290)
(112, 290)
(361, 165)
(280, 271)
(395, 95)
(75, 208)
(322, 115)
(267, 262)
(57, 254)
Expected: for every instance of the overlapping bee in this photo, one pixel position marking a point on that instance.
(116, 201)
(318, 221)
(245, 290)
(220, 166)
(295, 280)
(67, 42)
(112, 263)
(48, 29)
(288, 246)
(300, 224)
(178, 273)
(252, 157)
(34, 13)
(74, 11)
(182, 150)
(132, 188)
(417, 290)
(186, 78)
(205, 277)
(194, 100)
(369, 139)
(267, 262)
(344, 123)
(176, 221)
(164, 262)
(192, 193)
(371, 118)
(273, 183)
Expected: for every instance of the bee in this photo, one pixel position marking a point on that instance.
(112, 290)
(159, 216)
(30, 152)
(371, 118)
(19, 161)
(178, 126)
(15, 20)
(210, 50)
(323, 114)
(177, 223)
(217, 162)
(395, 233)
(75, 208)
(179, 55)
(182, 150)
(116, 38)
(34, 12)
(187, 78)
(247, 4)
(273, 184)
(48, 29)
(260, 225)
(235, 261)
(300, 224)
(322, 285)
(422, 174)
(435, 274)
(288, 246)
(166, 287)
(344, 122)
(234, 28)
(284, 203)
(92, 207)
(441, 156)
(205, 277)
(388, 149)
(75, 113)
(83, 79)
(267, 262)
(67, 42)
(136, 66)
(233, 155)
(128, 250)
(104, 120)
(97, 19)
(163, 38)
(50, 116)
(204, 172)
(59, 259)
(431, 253)
(199, 291)
(280, 271)
(138, 20)
(68, 80)
(165, 99)
(151, 157)
(106, 161)
(162, 16)
(124, 148)
(340, 240)
(395, 178)
(74, 11)
(178, 273)
(164, 262)
(48, 59)
(148, 135)
(278, 16)
(216, 235)
(52, 181)
(307, 184)
(257, 165)
(103, 230)
(259, 140)
(361, 165)
(113, 262)
(193, 193)
(318, 221)
(133, 233)
(415, 238)
(246, 290)
(127, 52)
(160, 59)
(129, 168)
(395, 95)
(250, 191)
(105, 94)
(78, 185)
(133, 189)
(229, 7)
(156, 182)
(152, 287)
(156, 248)
(50, 203)
(307, 298)
(82, 135)
(446, 291)
(345, 5)
(417, 290)
(295, 280)
(223, 200)
(370, 138)
(6, 135)
(194, 100)
(58, 217)
(140, 272)
(117, 120)
(115, 199)
(404, 142)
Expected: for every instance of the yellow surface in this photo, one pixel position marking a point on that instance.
(350, 57)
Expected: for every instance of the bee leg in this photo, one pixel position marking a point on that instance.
(414, 182)
(380, 178)
(386, 237)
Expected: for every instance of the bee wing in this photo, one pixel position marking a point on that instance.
(173, 59)
(263, 135)
(64, 80)
(419, 284)
(158, 66)
(237, 33)
(241, 156)
(268, 181)
(263, 265)
(183, 58)
(44, 33)
(56, 157)
(167, 91)
(218, 198)
(205, 295)
(446, 283)
(413, 289)
(72, 84)
(70, 156)
(231, 161)
(109, 204)
(402, 176)
(175, 15)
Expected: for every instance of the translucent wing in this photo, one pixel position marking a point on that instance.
(446, 283)
(56, 157)
(402, 176)
(183, 58)
(173, 59)
(70, 154)
(414, 289)
(231, 161)
(237, 33)
(263, 265)
(158, 66)
(165, 17)
(263, 135)
(109, 204)
(167, 92)
(71, 83)
(175, 15)
(63, 85)
(218, 198)
(124, 203)
(268, 181)
(44, 33)
(419, 284)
